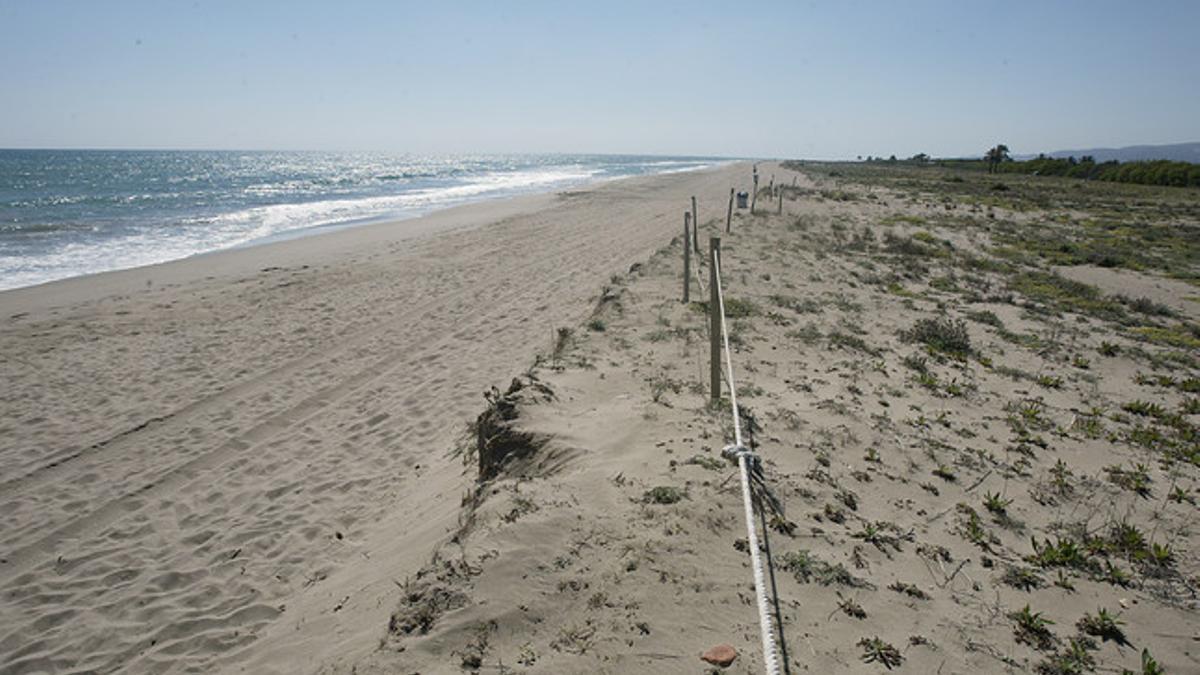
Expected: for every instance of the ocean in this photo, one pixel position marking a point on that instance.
(66, 213)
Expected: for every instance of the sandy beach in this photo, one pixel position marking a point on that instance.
(255, 443)
(975, 496)
(402, 338)
(279, 459)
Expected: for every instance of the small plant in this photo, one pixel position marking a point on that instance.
(1076, 659)
(809, 333)
(739, 308)
(1149, 666)
(1022, 578)
(1028, 415)
(663, 494)
(661, 384)
(1060, 553)
(972, 529)
(1160, 555)
(1033, 629)
(941, 336)
(916, 362)
(597, 325)
(1136, 479)
(910, 590)
(851, 608)
(1180, 495)
(1080, 362)
(1060, 474)
(1050, 381)
(1091, 426)
(1144, 409)
(929, 381)
(1063, 581)
(1103, 625)
(878, 651)
(706, 462)
(807, 567)
(986, 317)
(835, 514)
(1115, 575)
(946, 473)
(1126, 539)
(838, 339)
(878, 535)
(996, 504)
(1108, 349)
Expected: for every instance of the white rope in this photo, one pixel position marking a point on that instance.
(744, 456)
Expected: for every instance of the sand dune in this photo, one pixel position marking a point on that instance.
(916, 478)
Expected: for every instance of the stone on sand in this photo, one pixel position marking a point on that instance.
(720, 655)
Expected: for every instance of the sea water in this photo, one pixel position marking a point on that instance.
(65, 213)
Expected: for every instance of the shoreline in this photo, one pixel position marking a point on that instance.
(316, 246)
(413, 213)
(291, 246)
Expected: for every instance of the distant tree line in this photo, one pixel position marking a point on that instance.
(1154, 172)
(997, 160)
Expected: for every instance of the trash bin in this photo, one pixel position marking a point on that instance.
(742, 198)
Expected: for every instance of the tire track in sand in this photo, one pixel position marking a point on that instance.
(224, 398)
(25, 558)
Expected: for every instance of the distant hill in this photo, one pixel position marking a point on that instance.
(1177, 152)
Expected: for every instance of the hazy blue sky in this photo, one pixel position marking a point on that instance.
(812, 79)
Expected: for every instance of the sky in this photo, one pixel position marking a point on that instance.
(828, 80)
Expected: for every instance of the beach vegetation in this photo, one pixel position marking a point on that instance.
(663, 494)
(1149, 666)
(910, 590)
(1135, 479)
(1104, 625)
(883, 653)
(850, 607)
(941, 336)
(1022, 578)
(807, 567)
(1033, 629)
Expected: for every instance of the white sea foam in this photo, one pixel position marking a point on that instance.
(192, 236)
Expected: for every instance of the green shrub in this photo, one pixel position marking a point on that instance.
(941, 335)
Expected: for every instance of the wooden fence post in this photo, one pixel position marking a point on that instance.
(729, 214)
(714, 329)
(695, 216)
(687, 256)
(781, 201)
(754, 196)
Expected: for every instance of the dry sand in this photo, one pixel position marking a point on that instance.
(231, 459)
(268, 470)
(567, 562)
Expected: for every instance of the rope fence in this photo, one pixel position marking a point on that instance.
(751, 472)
